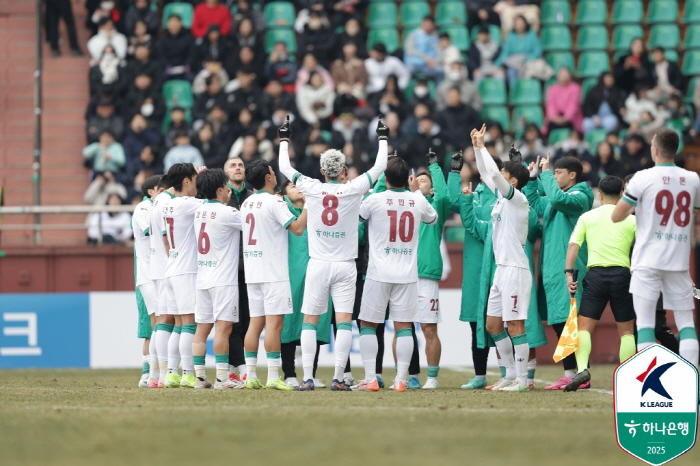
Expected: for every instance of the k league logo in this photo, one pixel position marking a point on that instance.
(656, 405)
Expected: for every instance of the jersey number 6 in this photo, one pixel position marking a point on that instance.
(203, 240)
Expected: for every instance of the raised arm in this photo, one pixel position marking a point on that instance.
(477, 228)
(382, 155)
(441, 195)
(454, 182)
(568, 203)
(285, 134)
(487, 167)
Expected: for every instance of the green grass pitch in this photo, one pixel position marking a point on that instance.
(99, 417)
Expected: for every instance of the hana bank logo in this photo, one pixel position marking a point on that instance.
(651, 380)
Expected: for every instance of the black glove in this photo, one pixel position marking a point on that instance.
(382, 130)
(431, 157)
(456, 164)
(284, 131)
(514, 154)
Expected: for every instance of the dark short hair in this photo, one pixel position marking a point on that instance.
(256, 172)
(611, 185)
(179, 172)
(428, 18)
(636, 137)
(397, 172)
(628, 178)
(182, 133)
(444, 35)
(517, 170)
(425, 173)
(155, 151)
(571, 164)
(285, 186)
(108, 131)
(667, 142)
(164, 182)
(499, 162)
(150, 183)
(209, 181)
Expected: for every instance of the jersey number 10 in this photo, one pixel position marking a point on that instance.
(405, 226)
(664, 207)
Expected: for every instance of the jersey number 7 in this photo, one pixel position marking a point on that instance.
(171, 227)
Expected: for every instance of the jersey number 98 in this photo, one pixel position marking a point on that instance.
(664, 207)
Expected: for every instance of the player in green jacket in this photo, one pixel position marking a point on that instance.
(560, 198)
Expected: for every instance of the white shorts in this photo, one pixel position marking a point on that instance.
(677, 287)
(270, 299)
(428, 301)
(324, 278)
(218, 303)
(162, 293)
(400, 297)
(149, 291)
(509, 297)
(182, 291)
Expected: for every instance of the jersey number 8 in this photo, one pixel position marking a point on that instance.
(329, 217)
(664, 207)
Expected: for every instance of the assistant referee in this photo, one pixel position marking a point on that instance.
(608, 276)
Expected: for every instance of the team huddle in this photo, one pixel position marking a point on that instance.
(187, 240)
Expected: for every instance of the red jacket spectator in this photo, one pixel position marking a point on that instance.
(208, 13)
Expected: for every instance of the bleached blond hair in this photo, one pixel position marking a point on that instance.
(332, 163)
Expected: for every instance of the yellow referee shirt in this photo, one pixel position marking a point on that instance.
(608, 243)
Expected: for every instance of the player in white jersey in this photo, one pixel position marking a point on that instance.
(333, 211)
(266, 219)
(665, 197)
(217, 228)
(140, 224)
(181, 267)
(159, 255)
(393, 221)
(509, 296)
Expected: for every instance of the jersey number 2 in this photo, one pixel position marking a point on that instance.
(405, 226)
(203, 240)
(250, 219)
(664, 207)
(329, 217)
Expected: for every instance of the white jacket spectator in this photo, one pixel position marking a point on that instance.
(636, 104)
(102, 187)
(116, 228)
(315, 101)
(380, 66)
(107, 35)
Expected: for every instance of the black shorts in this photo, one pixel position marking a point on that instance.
(603, 285)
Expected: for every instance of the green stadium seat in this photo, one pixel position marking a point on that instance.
(586, 85)
(497, 113)
(382, 15)
(432, 89)
(556, 38)
(667, 36)
(691, 12)
(494, 33)
(526, 92)
(387, 36)
(692, 37)
(678, 127)
(493, 91)
(560, 59)
(691, 89)
(524, 115)
(591, 12)
(178, 93)
(591, 64)
(412, 13)
(279, 14)
(450, 14)
(286, 35)
(672, 55)
(624, 34)
(459, 37)
(184, 10)
(592, 38)
(558, 135)
(555, 12)
(627, 11)
(548, 83)
(595, 137)
(662, 11)
(691, 63)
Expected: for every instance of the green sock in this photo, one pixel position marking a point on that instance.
(433, 371)
(584, 350)
(146, 367)
(627, 347)
(503, 371)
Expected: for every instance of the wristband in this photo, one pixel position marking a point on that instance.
(569, 270)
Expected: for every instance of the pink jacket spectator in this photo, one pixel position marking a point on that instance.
(303, 78)
(564, 101)
(204, 16)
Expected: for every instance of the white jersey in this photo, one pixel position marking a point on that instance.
(159, 255)
(665, 197)
(217, 228)
(265, 220)
(141, 225)
(178, 221)
(510, 218)
(394, 218)
(333, 209)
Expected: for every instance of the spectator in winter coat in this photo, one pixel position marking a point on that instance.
(213, 96)
(211, 67)
(111, 227)
(668, 77)
(144, 98)
(177, 125)
(142, 12)
(210, 12)
(422, 50)
(353, 32)
(634, 71)
(104, 119)
(389, 99)
(148, 163)
(454, 118)
(380, 66)
(482, 55)
(182, 152)
(349, 73)
(531, 145)
(635, 155)
(601, 108)
(106, 154)
(274, 98)
(246, 58)
(563, 103)
(604, 164)
(144, 64)
(429, 136)
(637, 103)
(247, 36)
(315, 101)
(456, 76)
(247, 95)
(522, 45)
(245, 10)
(317, 40)
(102, 187)
(281, 67)
(107, 35)
(310, 65)
(350, 136)
(109, 71)
(139, 36)
(449, 53)
(209, 147)
(215, 46)
(176, 49)
(481, 12)
(421, 95)
(137, 137)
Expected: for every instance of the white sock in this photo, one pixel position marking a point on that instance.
(163, 366)
(231, 370)
(174, 352)
(645, 310)
(688, 347)
(531, 367)
(368, 351)
(200, 370)
(273, 368)
(522, 351)
(146, 360)
(569, 373)
(251, 365)
(505, 349)
(242, 371)
(689, 350)
(404, 352)
(343, 342)
(221, 371)
(308, 350)
(186, 340)
(162, 341)
(153, 358)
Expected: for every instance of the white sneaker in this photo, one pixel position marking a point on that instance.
(318, 383)
(431, 384)
(505, 383)
(143, 383)
(227, 384)
(292, 381)
(202, 383)
(391, 387)
(518, 387)
(349, 380)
